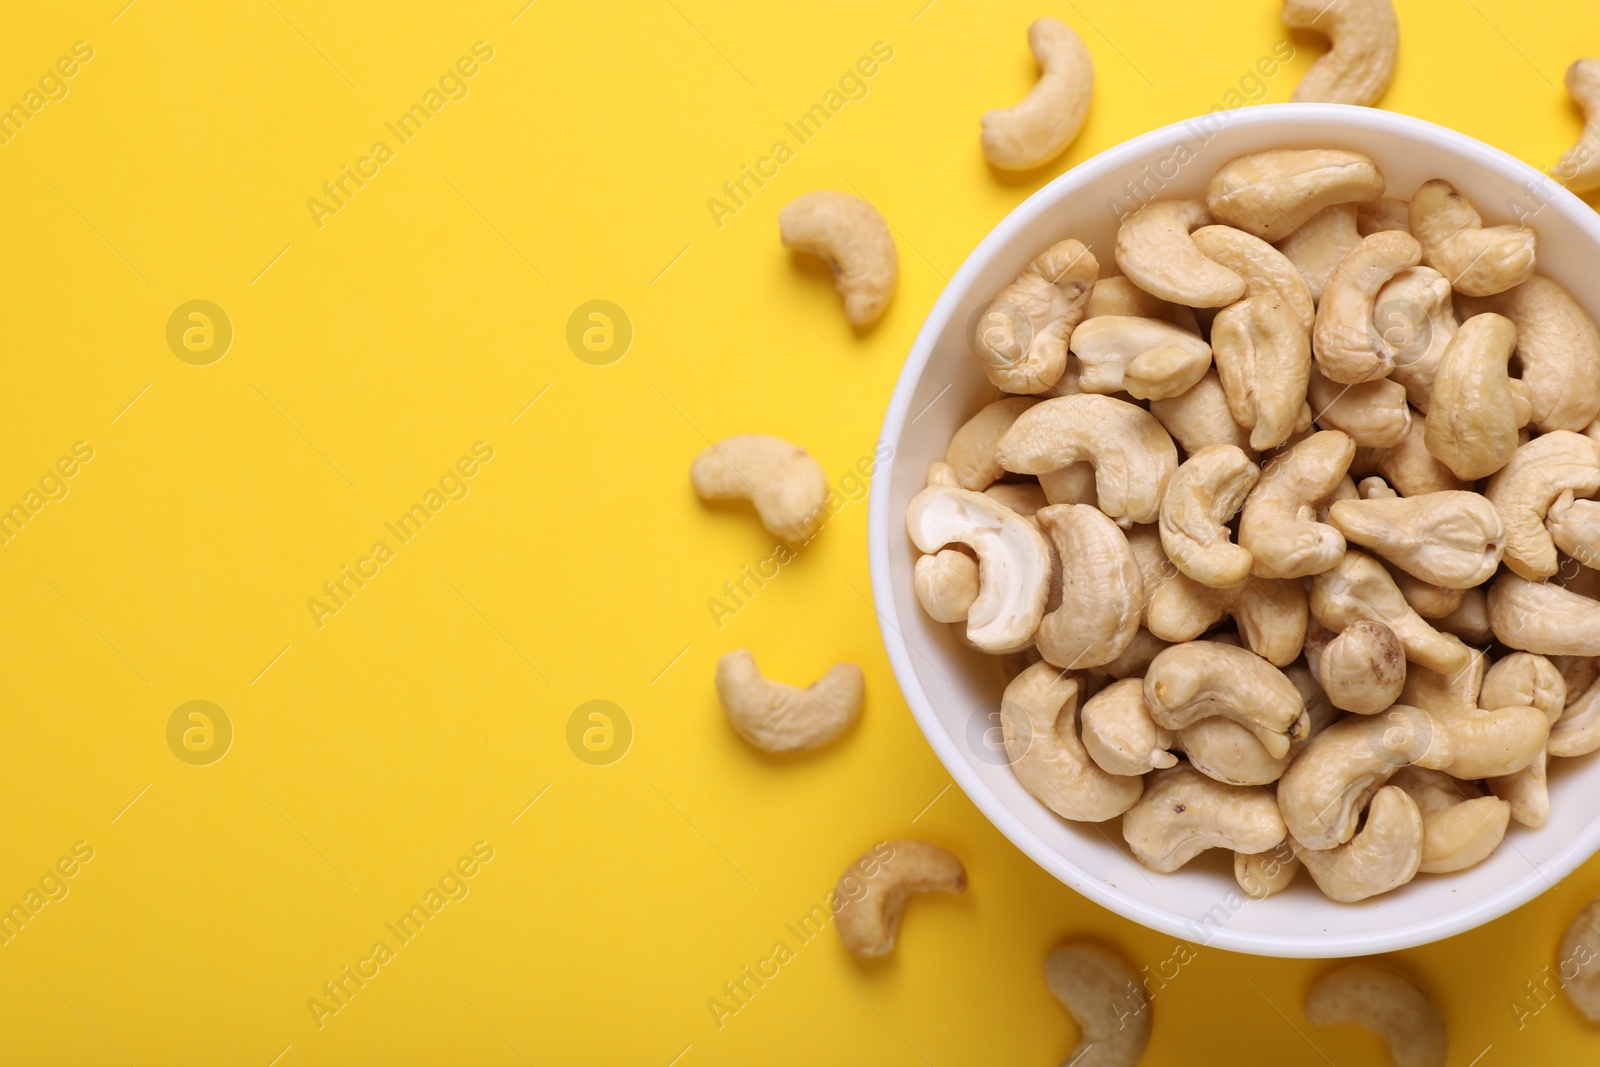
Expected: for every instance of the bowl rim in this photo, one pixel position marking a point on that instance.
(1445, 924)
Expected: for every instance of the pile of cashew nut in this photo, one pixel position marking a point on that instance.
(1287, 536)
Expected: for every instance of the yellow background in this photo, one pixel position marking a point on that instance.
(425, 716)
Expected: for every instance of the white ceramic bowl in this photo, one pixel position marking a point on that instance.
(954, 692)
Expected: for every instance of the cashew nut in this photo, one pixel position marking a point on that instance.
(1271, 613)
(1525, 680)
(1470, 621)
(1579, 168)
(775, 717)
(1359, 588)
(1102, 589)
(1132, 455)
(1460, 826)
(869, 922)
(1469, 741)
(1451, 539)
(1347, 349)
(1408, 466)
(1373, 487)
(1580, 952)
(1323, 791)
(940, 473)
(1039, 128)
(1426, 599)
(1270, 194)
(1265, 873)
(1184, 812)
(1574, 525)
(1222, 749)
(1268, 274)
(1366, 42)
(1320, 242)
(1374, 414)
(1119, 734)
(1202, 497)
(850, 234)
(1146, 357)
(1107, 1002)
(1201, 417)
(1039, 724)
(1392, 1007)
(1558, 346)
(1384, 855)
(946, 584)
(1025, 498)
(1535, 478)
(787, 487)
(1013, 561)
(1278, 522)
(1544, 618)
(1072, 484)
(1137, 659)
(1478, 260)
(1475, 412)
(1119, 296)
(1188, 682)
(1415, 315)
(1022, 336)
(1384, 213)
(1577, 732)
(1263, 355)
(1362, 669)
(971, 452)
(1155, 250)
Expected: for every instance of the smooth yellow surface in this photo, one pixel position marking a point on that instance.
(369, 354)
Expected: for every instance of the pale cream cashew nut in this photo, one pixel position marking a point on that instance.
(1523, 679)
(1263, 874)
(1384, 855)
(1384, 213)
(1415, 315)
(1072, 484)
(1271, 613)
(1574, 525)
(775, 717)
(1022, 336)
(1039, 724)
(1558, 346)
(1119, 296)
(1426, 599)
(1366, 42)
(1155, 250)
(1408, 466)
(1102, 589)
(1263, 356)
(1544, 618)
(1451, 539)
(1119, 734)
(1188, 682)
(1268, 274)
(971, 452)
(869, 922)
(1359, 588)
(1320, 243)
(1373, 414)
(1478, 260)
(1278, 524)
(1362, 669)
(1347, 348)
(1184, 812)
(1397, 1010)
(850, 234)
(1107, 1001)
(1373, 487)
(1025, 498)
(1580, 952)
(1524, 489)
(1460, 826)
(946, 584)
(1270, 194)
(1202, 498)
(1141, 652)
(1222, 749)
(1476, 407)
(1579, 168)
(1470, 621)
(787, 486)
(1577, 732)
(1040, 128)
(1147, 358)
(1201, 417)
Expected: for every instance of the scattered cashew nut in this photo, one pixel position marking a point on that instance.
(1040, 127)
(1580, 950)
(850, 234)
(868, 923)
(787, 486)
(775, 717)
(1107, 1002)
(1579, 168)
(1366, 43)
(1392, 1007)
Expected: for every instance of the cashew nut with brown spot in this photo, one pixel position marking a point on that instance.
(1373, 414)
(1524, 489)
(1384, 855)
(946, 584)
(1525, 680)
(971, 452)
(775, 717)
(1119, 734)
(1362, 669)
(1397, 1010)
(1366, 42)
(1201, 417)
(1580, 952)
(1451, 539)
(1270, 194)
(1478, 260)
(1415, 315)
(1222, 749)
(1264, 874)
(850, 234)
(1574, 525)
(1119, 296)
(1460, 826)
(1184, 812)
(869, 922)
(1147, 358)
(1040, 128)
(1013, 561)
(1408, 466)
(787, 487)
(1278, 524)
(1346, 348)
(1188, 682)
(1039, 724)
(1155, 250)
(1579, 168)
(1577, 732)
(1384, 213)
(1202, 498)
(1359, 588)
(1558, 346)
(1132, 455)
(1022, 336)
(1476, 408)
(1102, 589)
(1320, 243)
(1263, 355)
(1544, 618)
(1106, 1000)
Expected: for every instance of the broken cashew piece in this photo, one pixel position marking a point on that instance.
(1147, 358)
(1022, 336)
(1366, 42)
(1374, 414)
(1184, 812)
(1320, 242)
(1102, 589)
(1343, 341)
(787, 486)
(1119, 734)
(1278, 524)
(1202, 498)
(1039, 725)
(1188, 682)
(1580, 949)
(1579, 168)
(868, 923)
(1269, 194)
(1392, 1007)
(1359, 588)
(946, 584)
(1040, 128)
(1476, 407)
(775, 717)
(1415, 315)
(1156, 251)
(1558, 346)
(971, 452)
(850, 234)
(1362, 669)
(1543, 618)
(1384, 855)
(1105, 999)
(1450, 539)
(1524, 489)
(1478, 260)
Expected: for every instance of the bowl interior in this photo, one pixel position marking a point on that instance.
(954, 692)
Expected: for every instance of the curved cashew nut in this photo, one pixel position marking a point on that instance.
(1039, 724)
(1102, 589)
(1384, 213)
(1366, 42)
(1013, 561)
(1580, 948)
(1558, 346)
(1579, 168)
(850, 234)
(1408, 466)
(1222, 749)
(787, 487)
(1478, 260)
(1146, 357)
(1385, 855)
(1263, 355)
(1476, 408)
(1359, 588)
(1395, 1009)
(1119, 296)
(868, 922)
(941, 473)
(1271, 613)
(1544, 618)
(1040, 127)
(775, 717)
(1265, 873)
(1268, 274)
(1415, 315)
(1577, 732)
(1525, 680)
(1132, 455)
(1374, 414)
(1119, 734)
(1450, 539)
(1278, 522)
(971, 452)
(1188, 682)
(1362, 669)
(1574, 525)
(1183, 813)
(1201, 417)
(1202, 498)
(946, 584)
(1320, 242)
(1155, 250)
(1460, 826)
(1347, 348)
(1323, 791)
(1270, 194)
(1022, 336)
(1523, 490)
(1107, 1002)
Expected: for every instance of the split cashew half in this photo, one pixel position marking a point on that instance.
(1543, 618)
(1202, 498)
(1278, 524)
(1039, 128)
(1107, 1002)
(1359, 588)
(1580, 952)
(1478, 260)
(946, 584)
(1392, 1007)
(787, 487)
(1156, 250)
(1366, 43)
(1184, 812)
(1524, 489)
(869, 922)
(1270, 194)
(1450, 539)
(1102, 590)
(1558, 346)
(1476, 407)
(850, 234)
(1320, 242)
(1039, 725)
(1119, 734)
(1347, 348)
(1013, 561)
(775, 717)
(1147, 358)
(1415, 315)
(1384, 855)
(1188, 682)
(1022, 336)
(1579, 168)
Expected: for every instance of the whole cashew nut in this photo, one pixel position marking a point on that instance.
(1146, 357)
(1107, 1002)
(1579, 168)
(1102, 589)
(1580, 949)
(1013, 561)
(1268, 274)
(1359, 588)
(1184, 812)
(1384, 855)
(850, 234)
(1222, 749)
(787, 487)
(1119, 296)
(1577, 732)
(1408, 466)
(1265, 873)
(1202, 497)
(1132, 455)
(1039, 724)
(1374, 414)
(1119, 734)
(1574, 525)
(868, 923)
(1460, 826)
(1525, 488)
(1366, 43)
(1271, 613)
(1478, 260)
(1188, 682)
(1320, 243)
(1395, 1009)
(1278, 524)
(775, 717)
(1039, 128)
(946, 584)
(971, 452)
(1415, 315)
(1558, 346)
(1270, 194)
(1362, 669)
(1347, 348)
(1022, 336)
(1156, 251)
(1263, 355)
(1450, 539)
(1201, 417)
(1544, 618)
(1476, 408)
